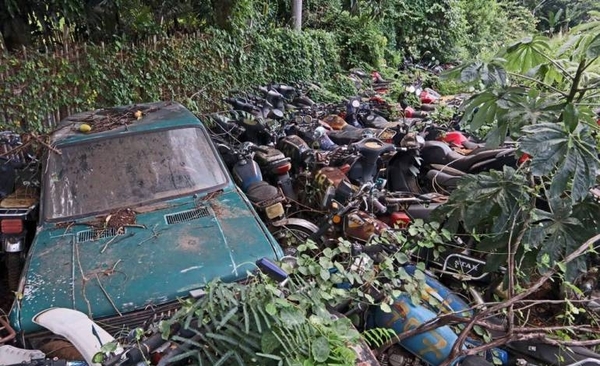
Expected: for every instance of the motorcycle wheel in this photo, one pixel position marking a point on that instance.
(290, 236)
(13, 270)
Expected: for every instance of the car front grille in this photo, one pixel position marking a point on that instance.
(187, 215)
(120, 325)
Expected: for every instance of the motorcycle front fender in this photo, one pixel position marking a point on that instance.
(296, 222)
(87, 336)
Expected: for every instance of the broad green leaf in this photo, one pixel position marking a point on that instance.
(320, 349)
(557, 234)
(571, 116)
(487, 199)
(567, 157)
(570, 43)
(497, 135)
(470, 73)
(271, 309)
(268, 342)
(524, 55)
(494, 74)
(292, 316)
(593, 49)
(385, 307)
(325, 274)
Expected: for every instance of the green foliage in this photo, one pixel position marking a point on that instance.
(256, 324)
(489, 24)
(570, 157)
(196, 70)
(377, 337)
(560, 15)
(549, 113)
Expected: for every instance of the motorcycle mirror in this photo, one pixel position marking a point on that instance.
(275, 113)
(271, 269)
(420, 140)
(328, 197)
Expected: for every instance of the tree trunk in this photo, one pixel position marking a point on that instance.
(297, 14)
(223, 11)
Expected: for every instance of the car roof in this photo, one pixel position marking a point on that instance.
(117, 120)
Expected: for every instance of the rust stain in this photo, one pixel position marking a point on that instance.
(223, 211)
(150, 208)
(189, 243)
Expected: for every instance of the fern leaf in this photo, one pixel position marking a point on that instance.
(246, 317)
(270, 356)
(286, 347)
(225, 357)
(250, 341)
(183, 356)
(257, 321)
(227, 317)
(265, 316)
(189, 341)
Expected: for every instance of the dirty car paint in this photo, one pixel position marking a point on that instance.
(173, 248)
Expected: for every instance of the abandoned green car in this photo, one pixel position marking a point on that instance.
(137, 211)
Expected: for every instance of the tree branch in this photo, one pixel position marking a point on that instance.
(539, 82)
(456, 348)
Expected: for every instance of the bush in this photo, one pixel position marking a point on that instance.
(198, 70)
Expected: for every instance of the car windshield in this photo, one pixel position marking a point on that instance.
(129, 170)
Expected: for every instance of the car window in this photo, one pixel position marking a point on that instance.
(129, 170)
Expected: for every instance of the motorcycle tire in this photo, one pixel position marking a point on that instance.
(14, 267)
(291, 234)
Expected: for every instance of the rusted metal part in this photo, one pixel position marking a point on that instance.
(362, 226)
(365, 356)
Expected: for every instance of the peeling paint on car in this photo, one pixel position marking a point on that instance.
(190, 269)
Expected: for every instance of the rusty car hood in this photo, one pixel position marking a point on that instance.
(168, 252)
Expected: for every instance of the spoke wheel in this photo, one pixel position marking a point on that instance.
(291, 236)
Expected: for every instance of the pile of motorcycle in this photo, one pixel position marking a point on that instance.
(359, 170)
(348, 170)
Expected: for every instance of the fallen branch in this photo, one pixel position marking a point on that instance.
(511, 336)
(48, 146)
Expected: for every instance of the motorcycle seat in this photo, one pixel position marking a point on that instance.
(440, 179)
(262, 191)
(448, 170)
(350, 135)
(436, 152)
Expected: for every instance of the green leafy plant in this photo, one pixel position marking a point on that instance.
(541, 94)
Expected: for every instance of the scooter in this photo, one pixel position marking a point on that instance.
(444, 166)
(268, 200)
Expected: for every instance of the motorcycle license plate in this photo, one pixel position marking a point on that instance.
(465, 265)
(275, 210)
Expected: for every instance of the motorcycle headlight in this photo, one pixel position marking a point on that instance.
(275, 210)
